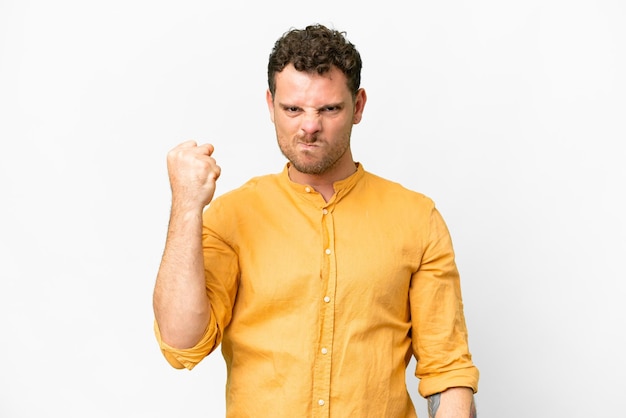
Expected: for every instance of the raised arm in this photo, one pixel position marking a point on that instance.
(180, 301)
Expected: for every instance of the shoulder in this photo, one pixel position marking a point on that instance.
(254, 188)
(394, 192)
(227, 213)
(247, 200)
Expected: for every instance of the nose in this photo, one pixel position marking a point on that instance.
(311, 124)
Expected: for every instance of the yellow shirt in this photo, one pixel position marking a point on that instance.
(318, 306)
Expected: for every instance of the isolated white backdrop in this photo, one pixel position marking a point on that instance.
(510, 115)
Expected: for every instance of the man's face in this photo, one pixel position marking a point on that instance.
(313, 115)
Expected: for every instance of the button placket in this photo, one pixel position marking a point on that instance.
(322, 373)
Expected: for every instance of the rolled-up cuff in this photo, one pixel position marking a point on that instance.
(467, 377)
(188, 358)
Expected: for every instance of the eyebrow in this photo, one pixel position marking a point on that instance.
(340, 104)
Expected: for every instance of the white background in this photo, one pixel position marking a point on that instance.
(510, 115)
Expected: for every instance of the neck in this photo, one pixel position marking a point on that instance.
(323, 183)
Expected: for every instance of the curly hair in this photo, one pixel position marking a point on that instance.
(315, 49)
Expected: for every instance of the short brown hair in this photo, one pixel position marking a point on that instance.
(315, 49)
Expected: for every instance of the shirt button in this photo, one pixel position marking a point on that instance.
(324, 350)
(307, 189)
(321, 402)
(325, 211)
(327, 251)
(326, 299)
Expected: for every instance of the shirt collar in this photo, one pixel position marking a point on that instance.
(342, 187)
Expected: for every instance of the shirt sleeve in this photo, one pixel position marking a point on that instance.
(221, 276)
(439, 332)
(190, 357)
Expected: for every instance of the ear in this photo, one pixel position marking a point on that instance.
(270, 103)
(359, 105)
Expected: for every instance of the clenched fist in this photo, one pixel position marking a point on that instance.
(193, 173)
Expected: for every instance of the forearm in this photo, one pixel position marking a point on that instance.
(181, 304)
(452, 403)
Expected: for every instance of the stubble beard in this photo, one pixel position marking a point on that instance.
(326, 162)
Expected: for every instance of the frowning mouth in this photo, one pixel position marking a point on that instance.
(308, 145)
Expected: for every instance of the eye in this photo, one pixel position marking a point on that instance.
(291, 109)
(331, 109)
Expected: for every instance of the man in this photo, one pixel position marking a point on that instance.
(321, 281)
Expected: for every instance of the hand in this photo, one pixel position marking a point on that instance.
(193, 174)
